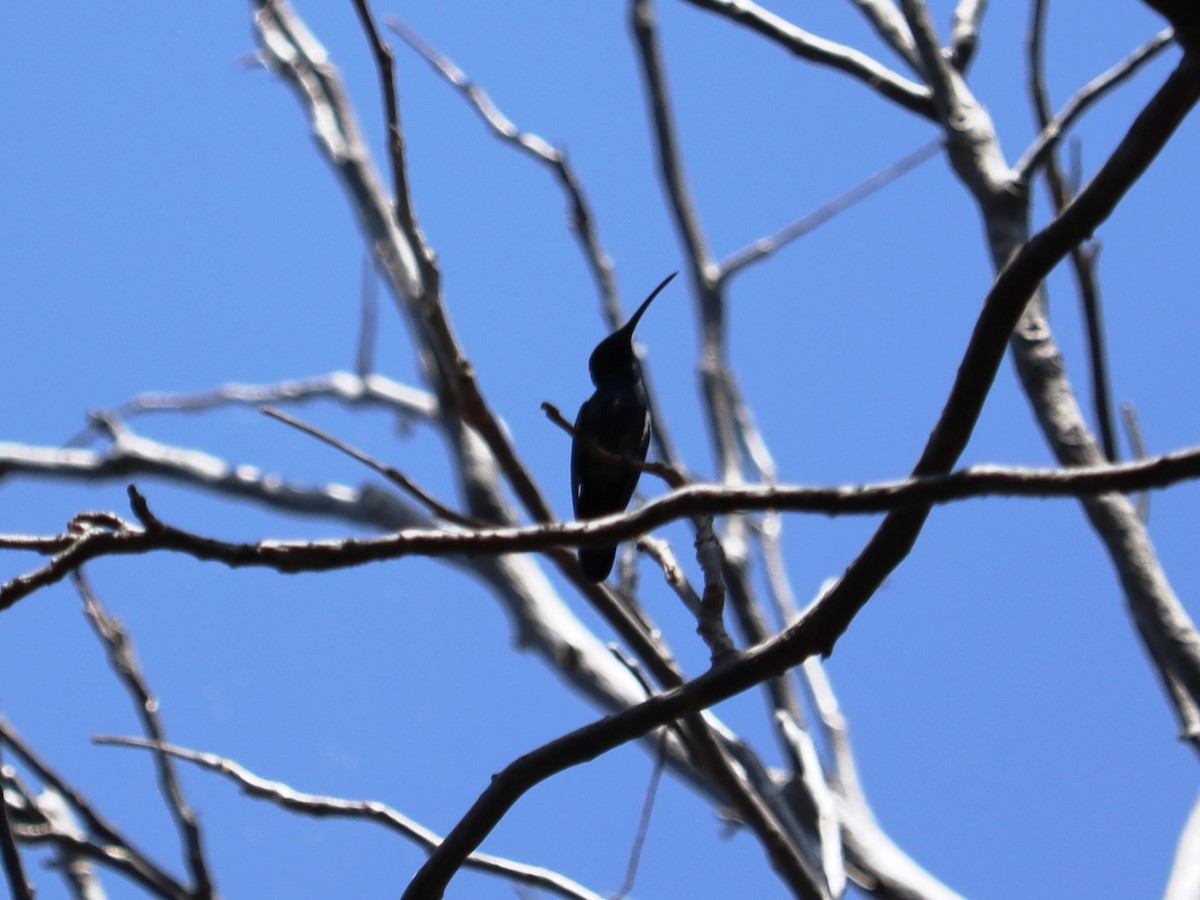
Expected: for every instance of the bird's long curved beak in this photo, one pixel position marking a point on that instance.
(633, 320)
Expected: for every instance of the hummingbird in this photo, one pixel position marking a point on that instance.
(615, 418)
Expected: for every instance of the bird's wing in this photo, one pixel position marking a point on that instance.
(579, 456)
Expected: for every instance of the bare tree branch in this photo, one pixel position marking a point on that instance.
(87, 539)
(349, 389)
(124, 663)
(99, 839)
(818, 629)
(1082, 258)
(391, 473)
(803, 45)
(768, 246)
(400, 251)
(1056, 127)
(19, 886)
(885, 18)
(406, 216)
(582, 219)
(964, 34)
(318, 806)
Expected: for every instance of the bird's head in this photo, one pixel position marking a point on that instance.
(613, 357)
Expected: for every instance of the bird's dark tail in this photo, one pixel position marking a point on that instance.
(596, 562)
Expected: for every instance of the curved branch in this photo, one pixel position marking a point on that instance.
(320, 806)
(907, 94)
(818, 629)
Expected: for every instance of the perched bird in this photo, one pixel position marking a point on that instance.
(615, 418)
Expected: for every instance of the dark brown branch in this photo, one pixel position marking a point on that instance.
(818, 629)
(84, 540)
(385, 65)
(1043, 155)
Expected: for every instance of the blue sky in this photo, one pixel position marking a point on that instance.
(169, 226)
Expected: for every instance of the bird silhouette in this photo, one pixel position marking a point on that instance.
(615, 418)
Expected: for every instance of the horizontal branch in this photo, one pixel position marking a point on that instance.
(95, 536)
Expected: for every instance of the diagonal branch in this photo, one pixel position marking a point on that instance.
(885, 18)
(103, 842)
(802, 44)
(319, 806)
(582, 219)
(19, 886)
(768, 246)
(818, 629)
(123, 661)
(964, 33)
(1053, 129)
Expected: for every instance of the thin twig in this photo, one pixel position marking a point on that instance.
(907, 94)
(368, 322)
(19, 886)
(347, 388)
(670, 160)
(643, 829)
(385, 65)
(1133, 431)
(672, 477)
(765, 247)
(1055, 128)
(581, 219)
(660, 551)
(391, 473)
(102, 842)
(319, 806)
(124, 663)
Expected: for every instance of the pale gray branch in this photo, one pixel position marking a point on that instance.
(319, 806)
